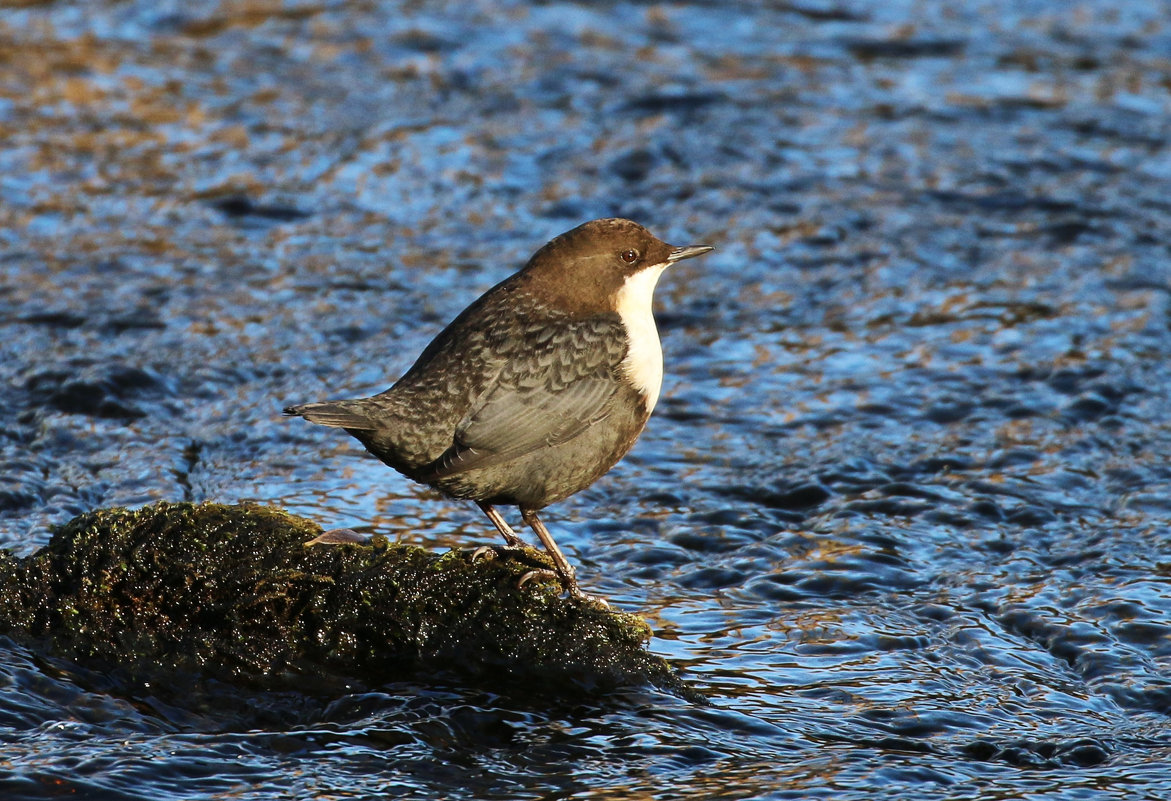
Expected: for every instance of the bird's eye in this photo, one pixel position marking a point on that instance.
(630, 256)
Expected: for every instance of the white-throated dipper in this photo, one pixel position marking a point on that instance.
(537, 389)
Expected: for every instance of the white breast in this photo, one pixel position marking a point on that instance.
(643, 364)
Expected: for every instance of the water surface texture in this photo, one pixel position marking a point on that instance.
(903, 512)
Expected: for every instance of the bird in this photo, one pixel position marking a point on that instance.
(536, 389)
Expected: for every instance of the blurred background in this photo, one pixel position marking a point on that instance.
(903, 510)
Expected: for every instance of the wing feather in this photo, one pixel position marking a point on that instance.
(550, 391)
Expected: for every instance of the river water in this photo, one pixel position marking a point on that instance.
(903, 513)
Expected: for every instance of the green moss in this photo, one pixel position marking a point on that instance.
(233, 591)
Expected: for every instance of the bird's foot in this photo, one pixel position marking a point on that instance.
(568, 583)
(491, 552)
(539, 574)
(575, 592)
(339, 536)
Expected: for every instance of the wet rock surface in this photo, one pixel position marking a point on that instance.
(903, 508)
(237, 594)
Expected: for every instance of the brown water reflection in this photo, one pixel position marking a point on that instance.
(902, 510)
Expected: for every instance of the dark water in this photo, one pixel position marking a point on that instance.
(904, 511)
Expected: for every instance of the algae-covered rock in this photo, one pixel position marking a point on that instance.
(234, 591)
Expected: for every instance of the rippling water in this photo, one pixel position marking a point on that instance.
(903, 512)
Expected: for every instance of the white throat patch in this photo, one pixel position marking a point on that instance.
(643, 364)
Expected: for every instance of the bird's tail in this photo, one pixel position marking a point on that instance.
(348, 414)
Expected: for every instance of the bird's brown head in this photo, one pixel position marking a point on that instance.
(585, 270)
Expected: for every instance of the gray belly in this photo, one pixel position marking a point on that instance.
(547, 475)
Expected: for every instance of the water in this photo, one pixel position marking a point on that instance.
(902, 512)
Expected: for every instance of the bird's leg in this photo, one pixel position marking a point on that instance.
(564, 571)
(501, 524)
(510, 536)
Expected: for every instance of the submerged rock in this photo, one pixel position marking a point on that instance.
(234, 592)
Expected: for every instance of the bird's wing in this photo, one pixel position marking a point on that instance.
(552, 389)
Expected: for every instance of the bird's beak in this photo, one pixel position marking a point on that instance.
(686, 252)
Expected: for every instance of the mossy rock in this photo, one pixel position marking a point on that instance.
(234, 592)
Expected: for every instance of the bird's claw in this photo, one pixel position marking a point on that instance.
(576, 594)
(339, 536)
(492, 551)
(538, 573)
(569, 584)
